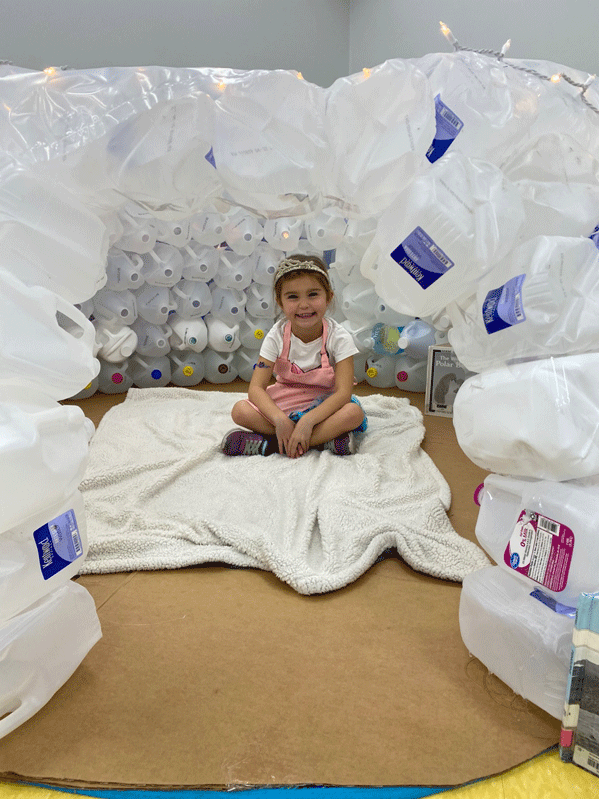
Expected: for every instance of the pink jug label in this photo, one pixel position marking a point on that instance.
(541, 549)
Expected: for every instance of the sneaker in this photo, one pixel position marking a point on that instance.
(343, 445)
(244, 442)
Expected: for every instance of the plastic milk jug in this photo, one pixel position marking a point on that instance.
(41, 552)
(149, 372)
(89, 390)
(219, 367)
(115, 307)
(41, 648)
(358, 300)
(532, 419)
(193, 298)
(155, 303)
(162, 266)
(245, 360)
(325, 230)
(43, 452)
(187, 368)
(386, 315)
(187, 334)
(283, 233)
(116, 344)
(234, 271)
(243, 233)
(543, 532)
(347, 264)
(123, 270)
(200, 262)
(252, 331)
(442, 234)
(265, 264)
(114, 378)
(361, 332)
(208, 228)
(541, 300)
(221, 336)
(380, 371)
(45, 342)
(410, 374)
(139, 234)
(520, 634)
(416, 337)
(177, 234)
(152, 340)
(385, 339)
(228, 305)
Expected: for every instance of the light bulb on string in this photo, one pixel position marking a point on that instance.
(366, 71)
(300, 76)
(221, 86)
(506, 47)
(447, 33)
(50, 71)
(556, 78)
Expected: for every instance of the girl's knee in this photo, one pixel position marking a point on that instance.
(355, 414)
(239, 412)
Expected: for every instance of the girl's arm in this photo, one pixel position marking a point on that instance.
(342, 393)
(257, 394)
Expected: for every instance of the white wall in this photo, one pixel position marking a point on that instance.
(308, 35)
(552, 30)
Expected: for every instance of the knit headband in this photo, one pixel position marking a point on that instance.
(294, 265)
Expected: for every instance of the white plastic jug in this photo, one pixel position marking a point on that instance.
(245, 360)
(88, 391)
(266, 261)
(514, 630)
(187, 334)
(193, 298)
(541, 300)
(139, 234)
(116, 308)
(219, 367)
(162, 266)
(325, 231)
(222, 337)
(49, 238)
(149, 372)
(361, 332)
(347, 264)
(532, 419)
(410, 374)
(187, 368)
(123, 270)
(155, 303)
(45, 342)
(43, 452)
(416, 337)
(40, 649)
(200, 262)
(380, 371)
(228, 305)
(543, 532)
(114, 378)
(234, 271)
(208, 228)
(386, 315)
(358, 301)
(152, 340)
(177, 234)
(283, 233)
(252, 331)
(243, 232)
(442, 234)
(40, 552)
(116, 344)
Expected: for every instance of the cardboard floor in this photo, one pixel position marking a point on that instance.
(222, 678)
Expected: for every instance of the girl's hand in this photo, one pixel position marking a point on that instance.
(299, 443)
(284, 428)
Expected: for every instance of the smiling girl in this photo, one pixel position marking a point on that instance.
(311, 355)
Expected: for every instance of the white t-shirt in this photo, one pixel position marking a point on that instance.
(339, 345)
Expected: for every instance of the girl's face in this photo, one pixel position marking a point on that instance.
(304, 302)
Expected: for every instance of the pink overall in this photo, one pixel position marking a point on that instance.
(296, 390)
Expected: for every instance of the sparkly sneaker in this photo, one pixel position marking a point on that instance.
(244, 442)
(343, 445)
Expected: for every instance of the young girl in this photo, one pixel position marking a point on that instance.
(311, 355)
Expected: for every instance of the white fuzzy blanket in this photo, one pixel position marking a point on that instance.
(159, 494)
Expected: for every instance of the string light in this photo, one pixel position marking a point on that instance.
(300, 76)
(366, 71)
(221, 86)
(500, 56)
(50, 71)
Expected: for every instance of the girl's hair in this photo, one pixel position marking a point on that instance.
(298, 265)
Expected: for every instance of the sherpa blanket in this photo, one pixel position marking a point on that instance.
(159, 494)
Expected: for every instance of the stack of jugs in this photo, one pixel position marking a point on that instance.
(252, 331)
(187, 368)
(187, 334)
(46, 356)
(123, 270)
(234, 271)
(222, 336)
(162, 266)
(200, 262)
(114, 378)
(542, 535)
(228, 305)
(139, 234)
(116, 307)
(150, 371)
(219, 367)
(193, 298)
(152, 340)
(154, 304)
(260, 301)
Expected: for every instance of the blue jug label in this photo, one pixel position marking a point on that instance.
(595, 236)
(58, 544)
(210, 157)
(420, 257)
(448, 127)
(503, 307)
